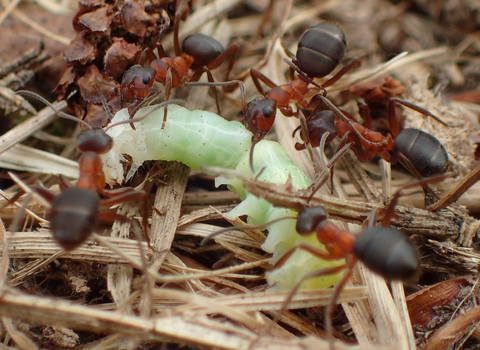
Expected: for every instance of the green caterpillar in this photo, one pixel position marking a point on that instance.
(202, 139)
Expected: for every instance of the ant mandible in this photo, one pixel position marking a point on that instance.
(199, 54)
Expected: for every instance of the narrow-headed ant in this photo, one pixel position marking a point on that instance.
(384, 250)
(75, 212)
(320, 50)
(199, 54)
(418, 151)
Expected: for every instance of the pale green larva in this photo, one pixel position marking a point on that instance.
(202, 139)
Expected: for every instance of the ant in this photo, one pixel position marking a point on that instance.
(199, 54)
(75, 212)
(320, 50)
(386, 251)
(420, 152)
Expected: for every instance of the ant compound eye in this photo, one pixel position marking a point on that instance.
(146, 79)
(267, 112)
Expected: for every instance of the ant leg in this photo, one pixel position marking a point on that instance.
(213, 89)
(389, 211)
(408, 164)
(353, 63)
(168, 90)
(176, 25)
(64, 183)
(288, 300)
(304, 76)
(257, 77)
(230, 51)
(143, 104)
(392, 118)
(161, 50)
(46, 195)
(211, 83)
(322, 178)
(364, 113)
(351, 261)
(308, 248)
(146, 54)
(105, 105)
(223, 84)
(122, 218)
(125, 194)
(471, 179)
(342, 116)
(57, 112)
(247, 227)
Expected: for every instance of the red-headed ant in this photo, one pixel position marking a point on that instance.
(199, 54)
(75, 212)
(385, 250)
(421, 153)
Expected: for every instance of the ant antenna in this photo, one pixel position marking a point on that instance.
(241, 228)
(138, 119)
(59, 113)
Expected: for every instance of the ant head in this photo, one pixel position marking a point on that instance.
(137, 82)
(260, 116)
(311, 219)
(94, 140)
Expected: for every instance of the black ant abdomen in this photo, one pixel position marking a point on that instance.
(321, 49)
(423, 150)
(73, 217)
(203, 48)
(388, 252)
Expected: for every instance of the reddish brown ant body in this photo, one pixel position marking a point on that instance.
(419, 151)
(320, 50)
(385, 250)
(75, 212)
(199, 54)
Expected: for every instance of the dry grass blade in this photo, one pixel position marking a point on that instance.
(24, 158)
(29, 127)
